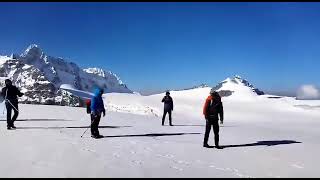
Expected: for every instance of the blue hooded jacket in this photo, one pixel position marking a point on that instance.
(97, 105)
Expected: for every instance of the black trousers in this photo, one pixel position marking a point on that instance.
(10, 121)
(215, 125)
(164, 116)
(95, 120)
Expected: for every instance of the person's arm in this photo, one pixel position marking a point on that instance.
(221, 113)
(163, 99)
(93, 105)
(104, 110)
(171, 104)
(18, 92)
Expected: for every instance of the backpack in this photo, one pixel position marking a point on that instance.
(213, 107)
(88, 104)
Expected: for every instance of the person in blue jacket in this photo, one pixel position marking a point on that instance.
(97, 108)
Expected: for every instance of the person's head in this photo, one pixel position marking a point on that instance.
(167, 93)
(98, 92)
(212, 92)
(8, 82)
(215, 94)
(101, 91)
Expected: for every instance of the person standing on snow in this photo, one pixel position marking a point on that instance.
(10, 93)
(212, 107)
(168, 107)
(97, 108)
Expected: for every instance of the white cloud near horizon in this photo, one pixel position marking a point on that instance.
(308, 92)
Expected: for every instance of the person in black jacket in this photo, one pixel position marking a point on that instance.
(10, 93)
(168, 107)
(212, 108)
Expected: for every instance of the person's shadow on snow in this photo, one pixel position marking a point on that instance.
(150, 135)
(263, 143)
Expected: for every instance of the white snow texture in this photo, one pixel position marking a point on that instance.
(262, 136)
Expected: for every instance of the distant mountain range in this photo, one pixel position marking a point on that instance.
(39, 76)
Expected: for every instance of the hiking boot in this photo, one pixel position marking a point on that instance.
(206, 145)
(14, 127)
(9, 127)
(99, 136)
(96, 136)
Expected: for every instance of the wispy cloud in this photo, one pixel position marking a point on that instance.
(308, 92)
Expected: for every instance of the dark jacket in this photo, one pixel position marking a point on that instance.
(11, 93)
(218, 107)
(97, 105)
(168, 103)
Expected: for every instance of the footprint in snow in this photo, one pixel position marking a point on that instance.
(297, 166)
(137, 162)
(148, 149)
(116, 155)
(166, 156)
(177, 168)
(221, 169)
(183, 162)
(90, 150)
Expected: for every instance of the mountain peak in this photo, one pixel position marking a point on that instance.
(33, 50)
(237, 82)
(237, 77)
(103, 73)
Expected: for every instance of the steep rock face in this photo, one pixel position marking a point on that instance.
(39, 76)
(30, 81)
(58, 71)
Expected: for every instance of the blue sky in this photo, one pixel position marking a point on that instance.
(159, 46)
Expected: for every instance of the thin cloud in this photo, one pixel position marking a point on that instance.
(308, 92)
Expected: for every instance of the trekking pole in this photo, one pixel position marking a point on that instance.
(7, 100)
(4, 109)
(12, 105)
(87, 128)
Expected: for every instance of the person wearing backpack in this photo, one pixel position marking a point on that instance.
(10, 93)
(212, 108)
(96, 109)
(168, 107)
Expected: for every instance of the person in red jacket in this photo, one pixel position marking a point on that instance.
(212, 108)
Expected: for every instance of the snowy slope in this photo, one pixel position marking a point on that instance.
(190, 100)
(262, 138)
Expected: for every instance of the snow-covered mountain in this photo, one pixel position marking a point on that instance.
(233, 87)
(39, 76)
(238, 87)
